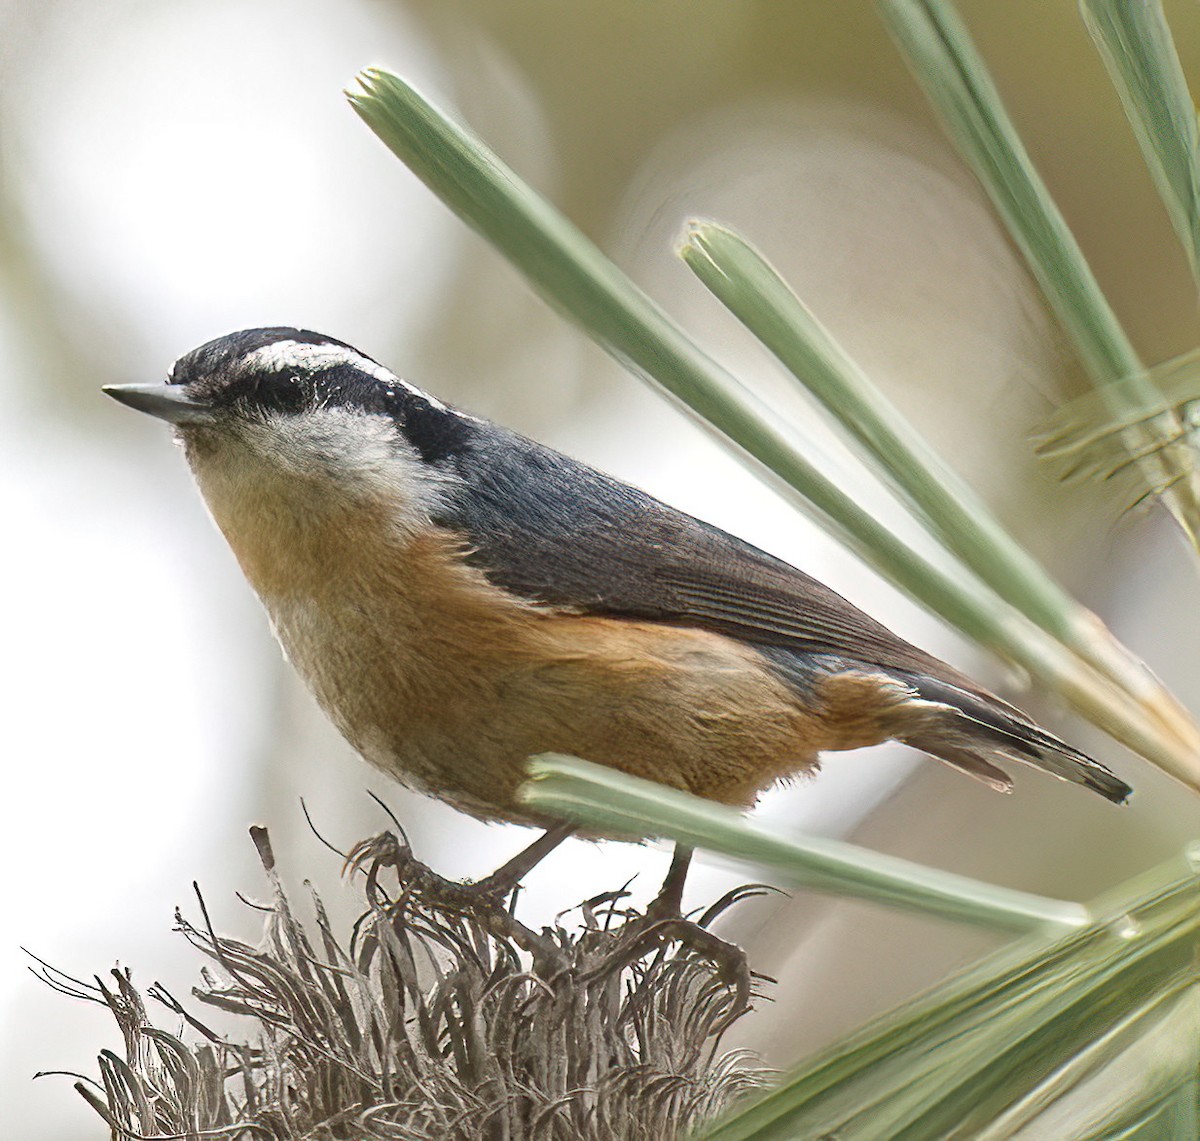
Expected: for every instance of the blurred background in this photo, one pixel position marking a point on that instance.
(171, 172)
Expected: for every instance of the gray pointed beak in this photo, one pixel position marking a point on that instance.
(166, 401)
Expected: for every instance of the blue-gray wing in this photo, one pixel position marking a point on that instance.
(556, 531)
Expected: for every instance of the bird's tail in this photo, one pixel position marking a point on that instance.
(976, 730)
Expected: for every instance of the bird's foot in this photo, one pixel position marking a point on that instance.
(491, 891)
(732, 968)
(664, 920)
(482, 903)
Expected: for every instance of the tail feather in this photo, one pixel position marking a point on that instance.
(962, 756)
(976, 728)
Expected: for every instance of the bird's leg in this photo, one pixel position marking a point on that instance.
(509, 875)
(668, 904)
(422, 887)
(664, 919)
(470, 896)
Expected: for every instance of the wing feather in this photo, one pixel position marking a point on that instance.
(558, 532)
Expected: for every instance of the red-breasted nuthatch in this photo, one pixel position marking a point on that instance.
(459, 598)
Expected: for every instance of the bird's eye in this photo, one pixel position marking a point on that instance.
(286, 392)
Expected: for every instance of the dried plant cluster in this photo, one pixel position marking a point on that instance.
(443, 1017)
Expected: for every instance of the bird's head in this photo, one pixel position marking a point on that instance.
(281, 417)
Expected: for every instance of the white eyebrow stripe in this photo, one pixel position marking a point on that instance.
(279, 356)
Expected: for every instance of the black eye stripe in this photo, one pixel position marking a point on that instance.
(273, 392)
(293, 391)
(260, 374)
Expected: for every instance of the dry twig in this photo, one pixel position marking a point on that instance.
(443, 1017)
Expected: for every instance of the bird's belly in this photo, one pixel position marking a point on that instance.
(450, 683)
(456, 711)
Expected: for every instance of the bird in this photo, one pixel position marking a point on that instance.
(459, 598)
